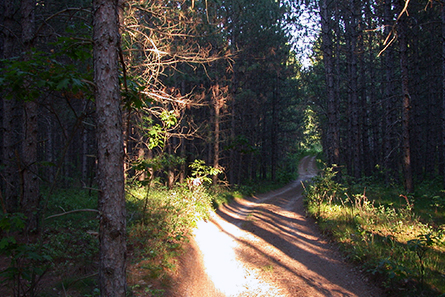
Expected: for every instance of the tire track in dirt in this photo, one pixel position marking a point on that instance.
(266, 246)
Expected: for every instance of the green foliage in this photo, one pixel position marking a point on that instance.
(28, 79)
(393, 270)
(133, 95)
(222, 195)
(311, 140)
(28, 262)
(158, 225)
(156, 132)
(159, 163)
(421, 245)
(72, 241)
(323, 188)
(241, 144)
(201, 172)
(288, 168)
(429, 201)
(380, 230)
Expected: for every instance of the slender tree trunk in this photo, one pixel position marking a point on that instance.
(389, 101)
(218, 103)
(233, 155)
(328, 59)
(10, 185)
(443, 88)
(370, 126)
(142, 175)
(112, 225)
(183, 143)
(273, 130)
(182, 153)
(49, 148)
(30, 188)
(406, 105)
(355, 147)
(336, 50)
(170, 167)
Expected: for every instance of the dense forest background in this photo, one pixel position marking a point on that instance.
(223, 82)
(199, 81)
(383, 104)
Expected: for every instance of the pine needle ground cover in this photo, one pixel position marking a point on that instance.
(398, 239)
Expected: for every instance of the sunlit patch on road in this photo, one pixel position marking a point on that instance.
(228, 275)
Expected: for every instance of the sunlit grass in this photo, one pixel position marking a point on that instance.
(159, 221)
(159, 224)
(397, 245)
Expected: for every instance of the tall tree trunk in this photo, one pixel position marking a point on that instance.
(369, 125)
(406, 104)
(10, 185)
(328, 59)
(233, 155)
(389, 101)
(355, 148)
(182, 153)
(443, 88)
(273, 130)
(112, 225)
(218, 102)
(170, 166)
(29, 202)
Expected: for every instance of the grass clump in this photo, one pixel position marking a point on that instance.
(159, 223)
(384, 232)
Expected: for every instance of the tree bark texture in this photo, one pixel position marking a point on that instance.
(112, 228)
(355, 114)
(30, 182)
(390, 117)
(218, 101)
(406, 106)
(10, 185)
(443, 87)
(333, 149)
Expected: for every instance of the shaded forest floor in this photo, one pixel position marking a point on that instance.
(266, 246)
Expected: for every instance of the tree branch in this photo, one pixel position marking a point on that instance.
(72, 211)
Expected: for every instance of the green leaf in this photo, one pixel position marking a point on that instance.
(63, 84)
(6, 242)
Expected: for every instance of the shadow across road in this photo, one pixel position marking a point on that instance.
(286, 245)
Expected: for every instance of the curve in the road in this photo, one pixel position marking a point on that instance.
(267, 246)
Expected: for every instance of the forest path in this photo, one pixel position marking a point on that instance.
(266, 246)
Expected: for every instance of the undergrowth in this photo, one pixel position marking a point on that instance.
(399, 239)
(159, 223)
(64, 260)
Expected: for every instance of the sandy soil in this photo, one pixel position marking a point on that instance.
(266, 246)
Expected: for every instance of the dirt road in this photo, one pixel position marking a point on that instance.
(266, 246)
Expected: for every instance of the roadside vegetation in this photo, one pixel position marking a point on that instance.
(397, 238)
(63, 259)
(160, 221)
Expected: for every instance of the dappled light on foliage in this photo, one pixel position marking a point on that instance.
(189, 105)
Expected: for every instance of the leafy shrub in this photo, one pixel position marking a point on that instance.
(159, 222)
(28, 262)
(323, 188)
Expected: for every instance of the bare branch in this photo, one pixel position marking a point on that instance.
(72, 211)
